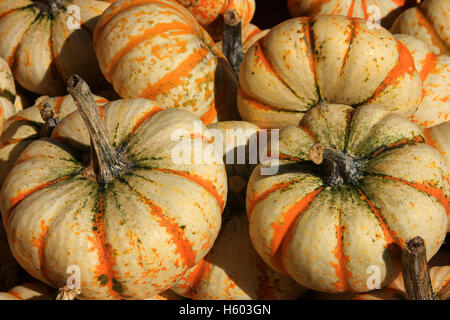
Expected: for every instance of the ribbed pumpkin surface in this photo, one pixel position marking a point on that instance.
(132, 238)
(334, 59)
(326, 233)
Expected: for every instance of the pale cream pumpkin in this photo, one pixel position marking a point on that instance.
(135, 225)
(333, 59)
(377, 187)
(156, 50)
(43, 48)
(428, 22)
(26, 127)
(9, 102)
(28, 291)
(434, 71)
(365, 9)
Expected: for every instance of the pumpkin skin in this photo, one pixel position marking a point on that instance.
(28, 291)
(278, 84)
(326, 233)
(25, 127)
(209, 13)
(355, 9)
(439, 138)
(155, 49)
(9, 104)
(434, 71)
(232, 270)
(132, 238)
(41, 49)
(427, 22)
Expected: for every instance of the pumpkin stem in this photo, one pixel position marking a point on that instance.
(416, 276)
(336, 167)
(50, 118)
(48, 6)
(107, 162)
(67, 294)
(232, 39)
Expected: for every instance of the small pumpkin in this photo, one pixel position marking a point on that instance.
(364, 9)
(209, 13)
(377, 185)
(428, 22)
(434, 71)
(41, 47)
(27, 126)
(232, 270)
(128, 214)
(333, 59)
(29, 291)
(156, 50)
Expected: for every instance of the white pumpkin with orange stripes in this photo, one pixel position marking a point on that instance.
(43, 45)
(155, 49)
(428, 22)
(26, 126)
(365, 9)
(129, 215)
(378, 185)
(303, 62)
(434, 71)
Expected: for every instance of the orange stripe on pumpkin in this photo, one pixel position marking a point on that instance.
(144, 118)
(284, 222)
(405, 141)
(210, 115)
(173, 78)
(40, 244)
(341, 270)
(429, 139)
(435, 39)
(429, 66)
(404, 65)
(207, 185)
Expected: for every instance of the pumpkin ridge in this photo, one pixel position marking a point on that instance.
(398, 144)
(32, 138)
(403, 66)
(310, 43)
(425, 187)
(139, 123)
(434, 36)
(351, 36)
(184, 246)
(133, 41)
(41, 244)
(207, 185)
(12, 59)
(265, 106)
(261, 56)
(55, 68)
(104, 269)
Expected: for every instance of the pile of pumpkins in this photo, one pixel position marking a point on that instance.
(354, 120)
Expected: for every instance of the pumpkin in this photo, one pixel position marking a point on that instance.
(440, 282)
(439, 138)
(26, 126)
(428, 22)
(132, 217)
(9, 104)
(156, 50)
(209, 13)
(388, 9)
(333, 59)
(28, 291)
(232, 270)
(41, 47)
(352, 186)
(434, 71)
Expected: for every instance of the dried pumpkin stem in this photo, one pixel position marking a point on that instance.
(67, 294)
(50, 118)
(105, 158)
(416, 276)
(336, 167)
(232, 39)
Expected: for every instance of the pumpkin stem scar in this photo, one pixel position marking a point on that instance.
(337, 167)
(416, 275)
(232, 39)
(49, 6)
(106, 161)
